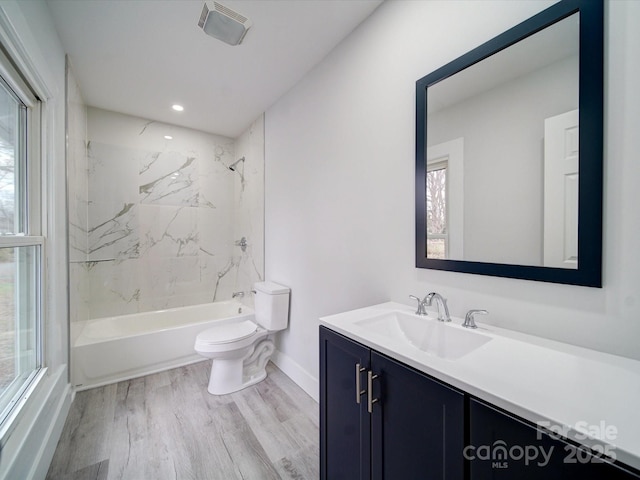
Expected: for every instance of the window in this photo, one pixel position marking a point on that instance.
(21, 241)
(437, 210)
(445, 200)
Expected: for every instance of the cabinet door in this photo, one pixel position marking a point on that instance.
(504, 447)
(345, 443)
(417, 428)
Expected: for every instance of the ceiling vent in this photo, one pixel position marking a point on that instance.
(223, 23)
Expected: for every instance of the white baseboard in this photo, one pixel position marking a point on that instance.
(299, 375)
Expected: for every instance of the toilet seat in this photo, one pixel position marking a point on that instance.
(227, 333)
(228, 337)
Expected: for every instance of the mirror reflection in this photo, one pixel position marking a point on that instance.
(502, 155)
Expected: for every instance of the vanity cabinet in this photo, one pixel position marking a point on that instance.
(407, 425)
(381, 419)
(504, 447)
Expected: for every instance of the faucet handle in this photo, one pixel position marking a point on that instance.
(469, 320)
(420, 311)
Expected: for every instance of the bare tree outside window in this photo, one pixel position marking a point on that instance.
(437, 228)
(8, 142)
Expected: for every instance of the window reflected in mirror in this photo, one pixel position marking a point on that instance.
(437, 228)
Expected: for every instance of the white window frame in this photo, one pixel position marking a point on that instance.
(32, 227)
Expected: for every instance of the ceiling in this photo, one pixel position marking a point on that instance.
(141, 56)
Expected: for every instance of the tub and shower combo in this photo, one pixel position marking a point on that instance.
(112, 349)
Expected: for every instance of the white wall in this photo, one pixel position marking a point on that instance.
(28, 33)
(339, 194)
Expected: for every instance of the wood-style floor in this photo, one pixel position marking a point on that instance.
(167, 426)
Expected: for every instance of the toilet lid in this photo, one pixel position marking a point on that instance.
(227, 332)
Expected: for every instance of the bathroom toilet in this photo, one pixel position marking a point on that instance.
(240, 348)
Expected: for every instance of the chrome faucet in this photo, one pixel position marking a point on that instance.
(441, 303)
(237, 294)
(469, 321)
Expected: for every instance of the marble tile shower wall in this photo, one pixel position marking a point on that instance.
(161, 213)
(248, 219)
(77, 191)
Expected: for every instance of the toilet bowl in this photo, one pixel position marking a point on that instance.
(240, 349)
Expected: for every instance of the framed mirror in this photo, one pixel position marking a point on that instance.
(509, 146)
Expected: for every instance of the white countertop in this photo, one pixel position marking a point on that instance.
(540, 380)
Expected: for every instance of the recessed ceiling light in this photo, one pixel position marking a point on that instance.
(177, 108)
(168, 137)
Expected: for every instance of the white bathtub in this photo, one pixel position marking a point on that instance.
(112, 349)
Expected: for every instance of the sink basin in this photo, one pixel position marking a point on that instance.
(429, 335)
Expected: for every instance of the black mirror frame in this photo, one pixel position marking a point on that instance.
(590, 182)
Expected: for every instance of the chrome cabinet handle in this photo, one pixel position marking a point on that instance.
(370, 400)
(359, 391)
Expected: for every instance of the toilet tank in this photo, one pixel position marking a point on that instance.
(272, 305)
